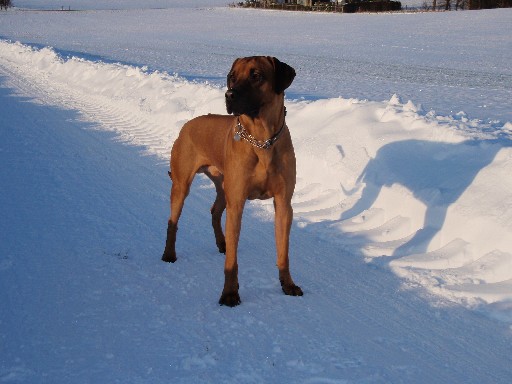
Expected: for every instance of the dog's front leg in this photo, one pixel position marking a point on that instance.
(230, 296)
(283, 222)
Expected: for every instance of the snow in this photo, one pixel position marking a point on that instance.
(402, 215)
(446, 62)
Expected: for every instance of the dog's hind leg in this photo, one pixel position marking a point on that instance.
(218, 207)
(179, 191)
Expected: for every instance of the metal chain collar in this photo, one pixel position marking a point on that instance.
(241, 133)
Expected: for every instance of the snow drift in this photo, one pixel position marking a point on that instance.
(427, 196)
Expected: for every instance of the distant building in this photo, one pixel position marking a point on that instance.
(487, 4)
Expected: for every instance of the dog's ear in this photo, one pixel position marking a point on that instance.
(283, 76)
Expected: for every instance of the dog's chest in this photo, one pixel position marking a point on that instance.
(265, 178)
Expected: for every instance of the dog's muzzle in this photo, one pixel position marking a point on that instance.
(239, 103)
(230, 96)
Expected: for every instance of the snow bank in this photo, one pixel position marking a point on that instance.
(425, 195)
(365, 56)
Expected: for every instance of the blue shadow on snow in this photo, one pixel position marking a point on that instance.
(436, 173)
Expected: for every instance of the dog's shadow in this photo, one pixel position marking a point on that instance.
(436, 173)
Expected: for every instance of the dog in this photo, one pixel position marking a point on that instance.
(248, 154)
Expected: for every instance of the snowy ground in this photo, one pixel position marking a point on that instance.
(447, 62)
(402, 215)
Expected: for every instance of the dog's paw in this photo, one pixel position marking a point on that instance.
(222, 247)
(292, 290)
(169, 257)
(231, 299)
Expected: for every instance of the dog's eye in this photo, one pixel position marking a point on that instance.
(231, 78)
(256, 76)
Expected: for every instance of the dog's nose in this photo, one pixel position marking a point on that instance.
(230, 94)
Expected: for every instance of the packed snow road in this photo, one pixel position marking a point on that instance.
(85, 297)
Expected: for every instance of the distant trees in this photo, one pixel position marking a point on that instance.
(345, 6)
(4, 4)
(369, 5)
(448, 5)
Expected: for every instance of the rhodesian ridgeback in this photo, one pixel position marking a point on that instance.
(247, 156)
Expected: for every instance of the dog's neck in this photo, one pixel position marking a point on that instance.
(263, 132)
(266, 123)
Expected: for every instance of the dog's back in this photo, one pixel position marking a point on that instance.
(201, 142)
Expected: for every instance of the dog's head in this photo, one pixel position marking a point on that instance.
(254, 82)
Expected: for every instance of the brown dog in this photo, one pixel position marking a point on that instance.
(247, 156)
